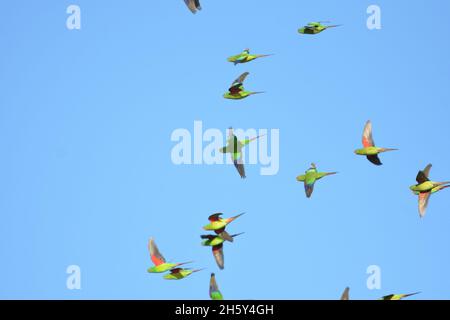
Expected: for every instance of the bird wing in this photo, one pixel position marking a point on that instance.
(367, 139)
(427, 169)
(241, 79)
(175, 270)
(375, 160)
(155, 255)
(309, 188)
(218, 255)
(237, 85)
(198, 5)
(239, 167)
(226, 236)
(191, 5)
(423, 202)
(236, 89)
(215, 217)
(345, 294)
(213, 287)
(208, 236)
(422, 177)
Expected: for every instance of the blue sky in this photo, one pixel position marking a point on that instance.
(86, 175)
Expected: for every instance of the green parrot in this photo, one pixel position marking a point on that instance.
(216, 242)
(425, 188)
(345, 295)
(245, 57)
(157, 258)
(234, 147)
(310, 177)
(193, 5)
(218, 224)
(180, 273)
(237, 91)
(315, 27)
(370, 150)
(398, 296)
(214, 291)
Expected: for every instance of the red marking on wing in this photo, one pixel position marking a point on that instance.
(214, 217)
(366, 143)
(156, 260)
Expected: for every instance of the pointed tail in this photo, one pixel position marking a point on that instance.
(388, 149)
(235, 217)
(183, 263)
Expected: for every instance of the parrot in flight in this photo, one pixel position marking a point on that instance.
(245, 57)
(216, 242)
(398, 296)
(218, 224)
(180, 273)
(157, 258)
(234, 147)
(425, 188)
(237, 91)
(193, 5)
(214, 291)
(370, 150)
(315, 27)
(346, 294)
(310, 177)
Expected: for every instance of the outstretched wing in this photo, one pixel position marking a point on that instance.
(237, 85)
(155, 255)
(226, 236)
(193, 5)
(218, 255)
(367, 139)
(213, 287)
(427, 169)
(309, 188)
(241, 79)
(421, 177)
(375, 160)
(345, 294)
(215, 217)
(423, 202)
(238, 164)
(208, 236)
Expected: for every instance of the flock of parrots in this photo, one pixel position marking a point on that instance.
(423, 189)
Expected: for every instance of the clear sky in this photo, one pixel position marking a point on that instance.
(86, 175)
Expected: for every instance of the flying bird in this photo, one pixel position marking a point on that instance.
(425, 188)
(193, 5)
(245, 57)
(315, 27)
(218, 224)
(234, 147)
(216, 242)
(157, 258)
(310, 177)
(180, 273)
(237, 91)
(398, 296)
(214, 291)
(345, 295)
(370, 150)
